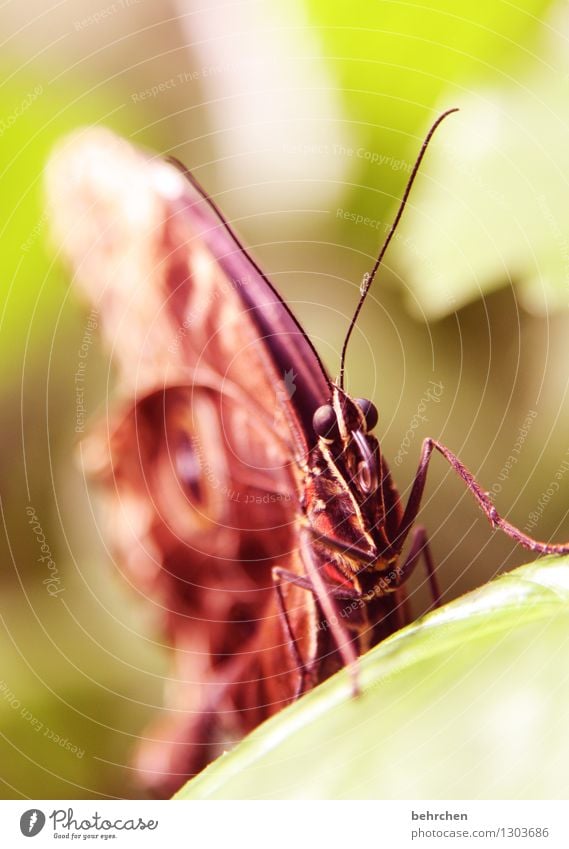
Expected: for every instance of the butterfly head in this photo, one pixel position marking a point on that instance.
(343, 428)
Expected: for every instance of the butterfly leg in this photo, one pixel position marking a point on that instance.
(341, 547)
(302, 581)
(324, 594)
(420, 548)
(324, 597)
(484, 501)
(281, 576)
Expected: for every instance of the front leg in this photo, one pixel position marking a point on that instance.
(480, 496)
(325, 594)
(281, 576)
(284, 576)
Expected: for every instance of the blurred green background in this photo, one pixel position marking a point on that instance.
(302, 119)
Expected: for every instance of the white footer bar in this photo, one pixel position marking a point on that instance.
(287, 825)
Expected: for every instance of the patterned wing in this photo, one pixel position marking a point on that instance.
(201, 455)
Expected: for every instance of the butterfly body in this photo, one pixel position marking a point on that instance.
(225, 504)
(248, 498)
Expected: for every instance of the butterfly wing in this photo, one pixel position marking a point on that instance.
(201, 456)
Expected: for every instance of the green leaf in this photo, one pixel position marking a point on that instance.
(473, 698)
(490, 207)
(395, 63)
(402, 57)
(34, 115)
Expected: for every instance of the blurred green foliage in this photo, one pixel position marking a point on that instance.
(70, 671)
(395, 62)
(33, 117)
(500, 178)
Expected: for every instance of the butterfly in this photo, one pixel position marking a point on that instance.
(247, 495)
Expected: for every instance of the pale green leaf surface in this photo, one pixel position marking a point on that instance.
(396, 64)
(490, 207)
(470, 701)
(34, 115)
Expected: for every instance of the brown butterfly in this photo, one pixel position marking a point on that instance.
(247, 495)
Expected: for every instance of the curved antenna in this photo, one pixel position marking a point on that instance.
(369, 276)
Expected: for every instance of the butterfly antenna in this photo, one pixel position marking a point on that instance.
(369, 276)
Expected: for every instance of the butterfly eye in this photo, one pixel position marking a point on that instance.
(370, 412)
(325, 423)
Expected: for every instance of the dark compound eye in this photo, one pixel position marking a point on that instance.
(325, 423)
(370, 412)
